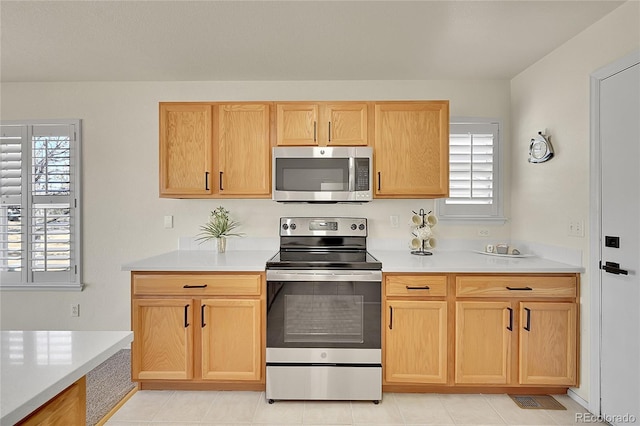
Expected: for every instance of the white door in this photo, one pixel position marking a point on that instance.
(620, 245)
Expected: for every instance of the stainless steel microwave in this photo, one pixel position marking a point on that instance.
(322, 174)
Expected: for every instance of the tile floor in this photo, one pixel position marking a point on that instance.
(250, 408)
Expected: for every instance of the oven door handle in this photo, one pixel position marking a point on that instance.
(323, 275)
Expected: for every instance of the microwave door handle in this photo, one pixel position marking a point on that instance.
(352, 174)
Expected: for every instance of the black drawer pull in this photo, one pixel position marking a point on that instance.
(194, 286)
(186, 316)
(202, 323)
(390, 317)
(510, 326)
(221, 188)
(425, 287)
(206, 181)
(519, 288)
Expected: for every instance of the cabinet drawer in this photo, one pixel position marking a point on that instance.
(197, 285)
(416, 285)
(516, 286)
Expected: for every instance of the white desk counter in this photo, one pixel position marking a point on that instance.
(37, 365)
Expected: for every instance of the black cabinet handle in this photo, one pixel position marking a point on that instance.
(206, 181)
(221, 188)
(426, 287)
(186, 313)
(194, 286)
(329, 131)
(202, 324)
(378, 181)
(315, 125)
(528, 326)
(510, 326)
(519, 288)
(390, 317)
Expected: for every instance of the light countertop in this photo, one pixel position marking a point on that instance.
(204, 260)
(37, 365)
(392, 261)
(468, 261)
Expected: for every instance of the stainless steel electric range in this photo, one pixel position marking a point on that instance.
(324, 312)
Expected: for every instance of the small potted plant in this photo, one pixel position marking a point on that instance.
(219, 227)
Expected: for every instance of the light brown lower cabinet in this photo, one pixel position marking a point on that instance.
(415, 329)
(69, 407)
(480, 332)
(548, 343)
(483, 343)
(216, 335)
(416, 341)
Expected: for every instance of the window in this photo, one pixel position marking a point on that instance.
(39, 205)
(474, 171)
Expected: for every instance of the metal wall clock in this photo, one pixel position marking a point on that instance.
(540, 149)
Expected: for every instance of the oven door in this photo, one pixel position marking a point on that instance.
(324, 309)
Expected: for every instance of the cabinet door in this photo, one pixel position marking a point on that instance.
(548, 343)
(69, 407)
(483, 340)
(163, 339)
(231, 339)
(243, 148)
(411, 149)
(297, 124)
(415, 341)
(344, 123)
(185, 149)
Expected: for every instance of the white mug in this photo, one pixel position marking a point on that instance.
(423, 233)
(415, 243)
(489, 248)
(431, 220)
(430, 243)
(416, 220)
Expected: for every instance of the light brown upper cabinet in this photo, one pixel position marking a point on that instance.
(185, 150)
(244, 151)
(322, 123)
(411, 149)
(215, 150)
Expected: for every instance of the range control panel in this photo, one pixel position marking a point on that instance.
(317, 226)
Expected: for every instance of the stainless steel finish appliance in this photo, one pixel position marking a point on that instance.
(323, 174)
(324, 312)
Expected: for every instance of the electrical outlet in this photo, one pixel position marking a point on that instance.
(75, 309)
(168, 222)
(484, 232)
(576, 228)
(394, 221)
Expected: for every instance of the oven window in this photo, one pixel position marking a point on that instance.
(312, 174)
(323, 318)
(323, 314)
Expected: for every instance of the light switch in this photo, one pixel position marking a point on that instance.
(168, 222)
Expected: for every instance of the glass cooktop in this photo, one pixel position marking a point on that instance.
(323, 259)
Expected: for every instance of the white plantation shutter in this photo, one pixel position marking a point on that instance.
(474, 184)
(47, 225)
(13, 139)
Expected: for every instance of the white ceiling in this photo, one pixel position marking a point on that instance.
(283, 40)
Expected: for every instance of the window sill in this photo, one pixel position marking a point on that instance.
(42, 287)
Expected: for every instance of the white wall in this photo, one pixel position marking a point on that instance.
(123, 218)
(553, 94)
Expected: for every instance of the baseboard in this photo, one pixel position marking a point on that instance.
(577, 398)
(116, 407)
